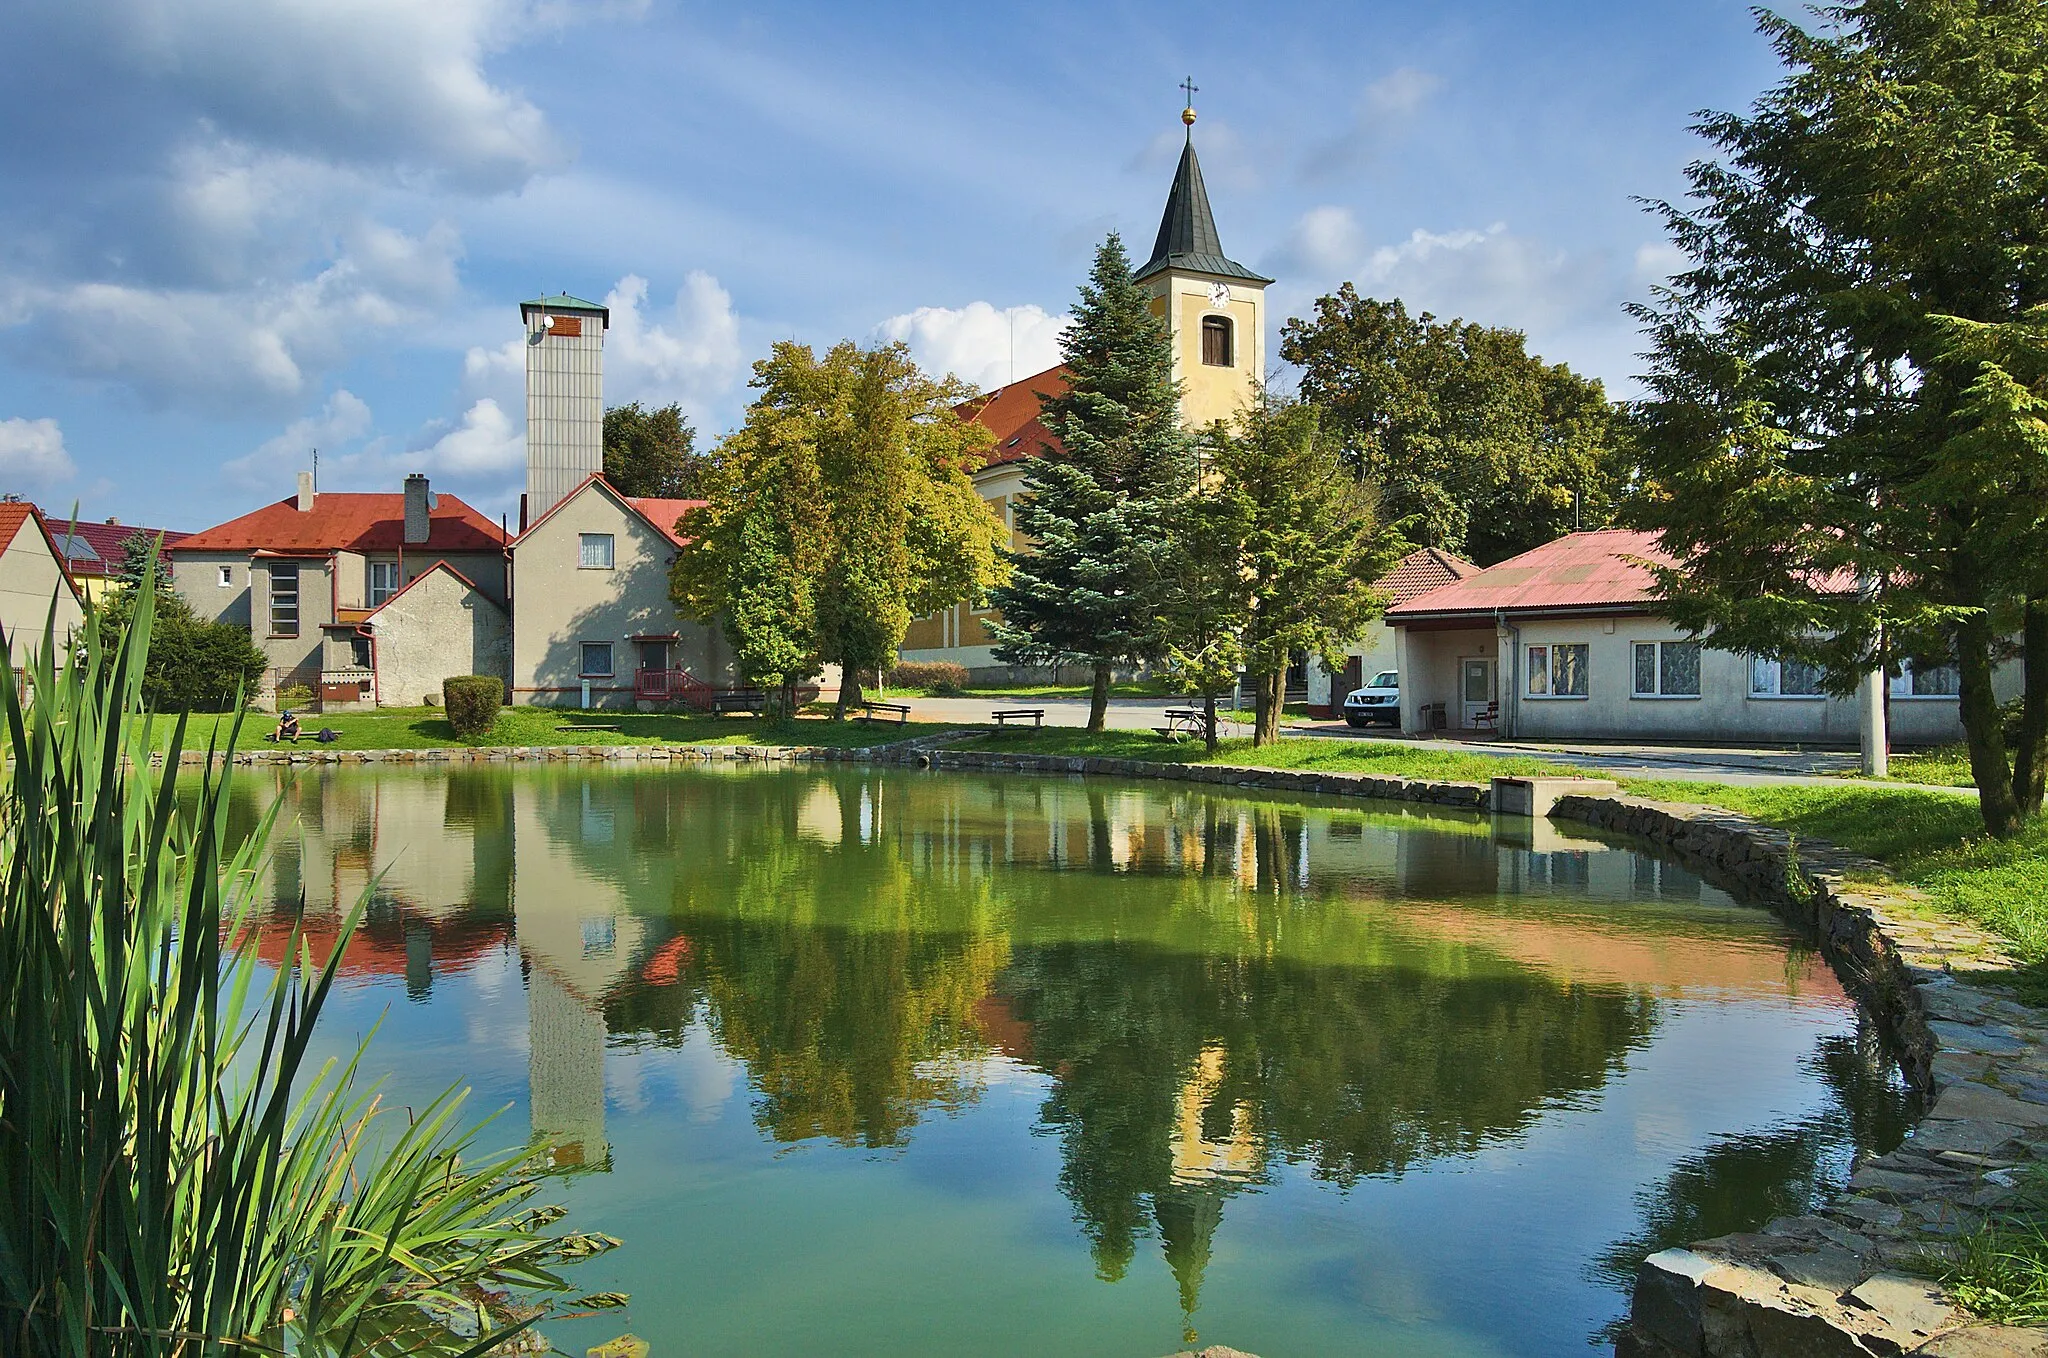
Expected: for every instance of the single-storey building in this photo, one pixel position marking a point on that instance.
(33, 579)
(440, 626)
(1417, 573)
(304, 574)
(1566, 642)
(592, 621)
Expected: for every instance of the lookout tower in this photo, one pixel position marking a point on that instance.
(1214, 307)
(564, 398)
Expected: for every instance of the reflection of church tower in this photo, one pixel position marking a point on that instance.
(565, 1070)
(1188, 1216)
(1214, 307)
(1215, 1149)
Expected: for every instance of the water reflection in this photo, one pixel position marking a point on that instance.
(1210, 989)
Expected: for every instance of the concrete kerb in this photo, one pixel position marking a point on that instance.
(1839, 1281)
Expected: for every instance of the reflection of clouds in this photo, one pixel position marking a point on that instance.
(693, 1076)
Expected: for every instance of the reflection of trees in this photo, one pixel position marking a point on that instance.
(1740, 1182)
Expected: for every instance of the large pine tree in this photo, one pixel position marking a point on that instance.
(1097, 499)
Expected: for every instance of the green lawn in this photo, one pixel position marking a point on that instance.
(426, 728)
(1403, 760)
(1943, 766)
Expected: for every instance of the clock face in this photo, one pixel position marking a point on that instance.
(1219, 294)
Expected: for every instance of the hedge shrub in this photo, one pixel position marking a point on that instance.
(472, 701)
(290, 697)
(938, 677)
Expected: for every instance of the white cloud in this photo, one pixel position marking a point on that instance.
(33, 452)
(1401, 92)
(979, 343)
(1658, 262)
(691, 355)
(275, 463)
(486, 444)
(1384, 107)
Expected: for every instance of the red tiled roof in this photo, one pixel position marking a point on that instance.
(664, 513)
(348, 521)
(1420, 572)
(1600, 569)
(107, 541)
(1011, 414)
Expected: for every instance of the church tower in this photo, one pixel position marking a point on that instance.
(1214, 307)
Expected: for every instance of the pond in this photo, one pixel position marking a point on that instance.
(887, 1062)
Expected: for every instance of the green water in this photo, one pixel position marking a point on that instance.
(863, 1062)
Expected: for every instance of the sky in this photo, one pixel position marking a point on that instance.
(238, 230)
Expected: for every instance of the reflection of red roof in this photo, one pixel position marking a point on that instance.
(349, 521)
(1011, 414)
(1420, 572)
(1601, 569)
(664, 966)
(664, 513)
(378, 949)
(1001, 1028)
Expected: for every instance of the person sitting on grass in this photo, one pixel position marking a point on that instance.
(287, 728)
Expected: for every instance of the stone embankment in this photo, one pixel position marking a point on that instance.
(1840, 1281)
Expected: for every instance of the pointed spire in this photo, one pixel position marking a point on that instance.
(1187, 230)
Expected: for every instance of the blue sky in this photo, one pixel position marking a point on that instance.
(238, 229)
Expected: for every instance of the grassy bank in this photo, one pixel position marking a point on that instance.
(426, 728)
(1403, 760)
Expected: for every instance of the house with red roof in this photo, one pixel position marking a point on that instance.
(306, 573)
(95, 550)
(33, 579)
(592, 621)
(1374, 653)
(1566, 641)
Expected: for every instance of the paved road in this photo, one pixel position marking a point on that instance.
(1715, 764)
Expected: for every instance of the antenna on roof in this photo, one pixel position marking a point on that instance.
(316, 471)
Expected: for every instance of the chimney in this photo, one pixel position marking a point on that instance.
(417, 503)
(305, 492)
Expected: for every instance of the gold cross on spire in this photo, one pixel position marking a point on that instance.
(1187, 115)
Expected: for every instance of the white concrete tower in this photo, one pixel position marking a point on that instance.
(564, 397)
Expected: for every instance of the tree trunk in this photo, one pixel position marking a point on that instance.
(1990, 769)
(1098, 700)
(1209, 721)
(1271, 698)
(849, 692)
(2030, 760)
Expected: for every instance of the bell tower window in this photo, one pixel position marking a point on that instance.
(1216, 342)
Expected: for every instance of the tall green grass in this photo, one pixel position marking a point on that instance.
(176, 1177)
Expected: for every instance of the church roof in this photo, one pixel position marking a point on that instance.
(1011, 414)
(1187, 230)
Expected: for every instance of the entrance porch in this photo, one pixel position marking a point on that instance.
(1450, 680)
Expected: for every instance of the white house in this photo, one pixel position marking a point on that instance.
(1566, 642)
(1417, 573)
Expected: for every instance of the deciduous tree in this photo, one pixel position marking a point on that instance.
(652, 452)
(1481, 447)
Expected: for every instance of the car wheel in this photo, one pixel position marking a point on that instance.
(1359, 723)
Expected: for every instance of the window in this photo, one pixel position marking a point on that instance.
(383, 581)
(597, 660)
(284, 600)
(227, 577)
(1558, 671)
(1783, 679)
(1216, 346)
(359, 652)
(1667, 669)
(597, 552)
(1926, 681)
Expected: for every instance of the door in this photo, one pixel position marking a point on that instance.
(1476, 688)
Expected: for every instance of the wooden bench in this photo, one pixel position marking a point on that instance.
(1181, 721)
(1007, 715)
(739, 700)
(589, 726)
(897, 712)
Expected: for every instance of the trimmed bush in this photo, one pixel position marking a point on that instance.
(472, 701)
(937, 677)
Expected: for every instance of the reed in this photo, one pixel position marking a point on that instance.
(177, 1176)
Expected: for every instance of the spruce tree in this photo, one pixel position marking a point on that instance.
(1098, 498)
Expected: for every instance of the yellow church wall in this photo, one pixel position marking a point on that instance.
(1209, 392)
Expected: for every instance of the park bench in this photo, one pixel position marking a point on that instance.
(739, 700)
(1180, 722)
(896, 712)
(589, 726)
(1004, 716)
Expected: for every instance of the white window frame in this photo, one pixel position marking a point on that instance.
(1657, 693)
(226, 578)
(1548, 692)
(282, 570)
(1772, 692)
(611, 669)
(384, 594)
(1902, 686)
(585, 556)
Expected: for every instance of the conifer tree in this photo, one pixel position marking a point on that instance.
(1099, 496)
